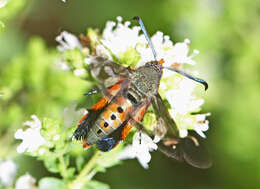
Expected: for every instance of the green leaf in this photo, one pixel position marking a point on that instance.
(96, 185)
(52, 164)
(50, 182)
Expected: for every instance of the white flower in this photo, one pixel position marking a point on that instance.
(118, 37)
(67, 41)
(202, 124)
(8, 171)
(3, 3)
(186, 122)
(31, 137)
(140, 149)
(79, 72)
(181, 99)
(64, 1)
(26, 182)
(61, 64)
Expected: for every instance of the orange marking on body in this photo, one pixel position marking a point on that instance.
(122, 116)
(113, 107)
(139, 114)
(85, 145)
(126, 130)
(115, 88)
(161, 61)
(121, 100)
(115, 123)
(106, 115)
(100, 104)
(82, 118)
(101, 124)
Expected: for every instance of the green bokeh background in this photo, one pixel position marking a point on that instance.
(227, 34)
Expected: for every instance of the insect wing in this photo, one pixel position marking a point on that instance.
(182, 149)
(89, 119)
(187, 150)
(161, 111)
(175, 153)
(85, 123)
(196, 155)
(106, 71)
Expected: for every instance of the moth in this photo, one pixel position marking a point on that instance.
(128, 93)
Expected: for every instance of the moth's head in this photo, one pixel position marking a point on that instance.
(156, 64)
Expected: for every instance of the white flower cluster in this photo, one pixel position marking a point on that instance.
(141, 147)
(8, 170)
(67, 41)
(26, 182)
(32, 138)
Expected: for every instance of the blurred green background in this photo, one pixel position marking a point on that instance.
(227, 34)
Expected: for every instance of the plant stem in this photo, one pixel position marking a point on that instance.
(63, 167)
(81, 179)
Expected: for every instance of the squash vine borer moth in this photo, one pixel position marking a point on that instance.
(125, 103)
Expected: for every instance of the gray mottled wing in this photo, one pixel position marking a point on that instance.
(181, 149)
(106, 71)
(161, 111)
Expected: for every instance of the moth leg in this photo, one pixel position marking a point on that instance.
(140, 129)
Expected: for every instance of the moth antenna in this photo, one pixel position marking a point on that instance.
(139, 20)
(201, 81)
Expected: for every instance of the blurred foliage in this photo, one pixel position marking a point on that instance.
(225, 32)
(31, 80)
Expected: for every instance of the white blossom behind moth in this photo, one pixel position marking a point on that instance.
(26, 182)
(31, 137)
(8, 170)
(134, 90)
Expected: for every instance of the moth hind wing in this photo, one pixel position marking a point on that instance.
(195, 153)
(88, 119)
(171, 151)
(189, 150)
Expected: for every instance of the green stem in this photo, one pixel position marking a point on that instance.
(81, 179)
(63, 167)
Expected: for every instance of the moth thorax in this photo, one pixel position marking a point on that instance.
(147, 79)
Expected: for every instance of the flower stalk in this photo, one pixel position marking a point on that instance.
(82, 178)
